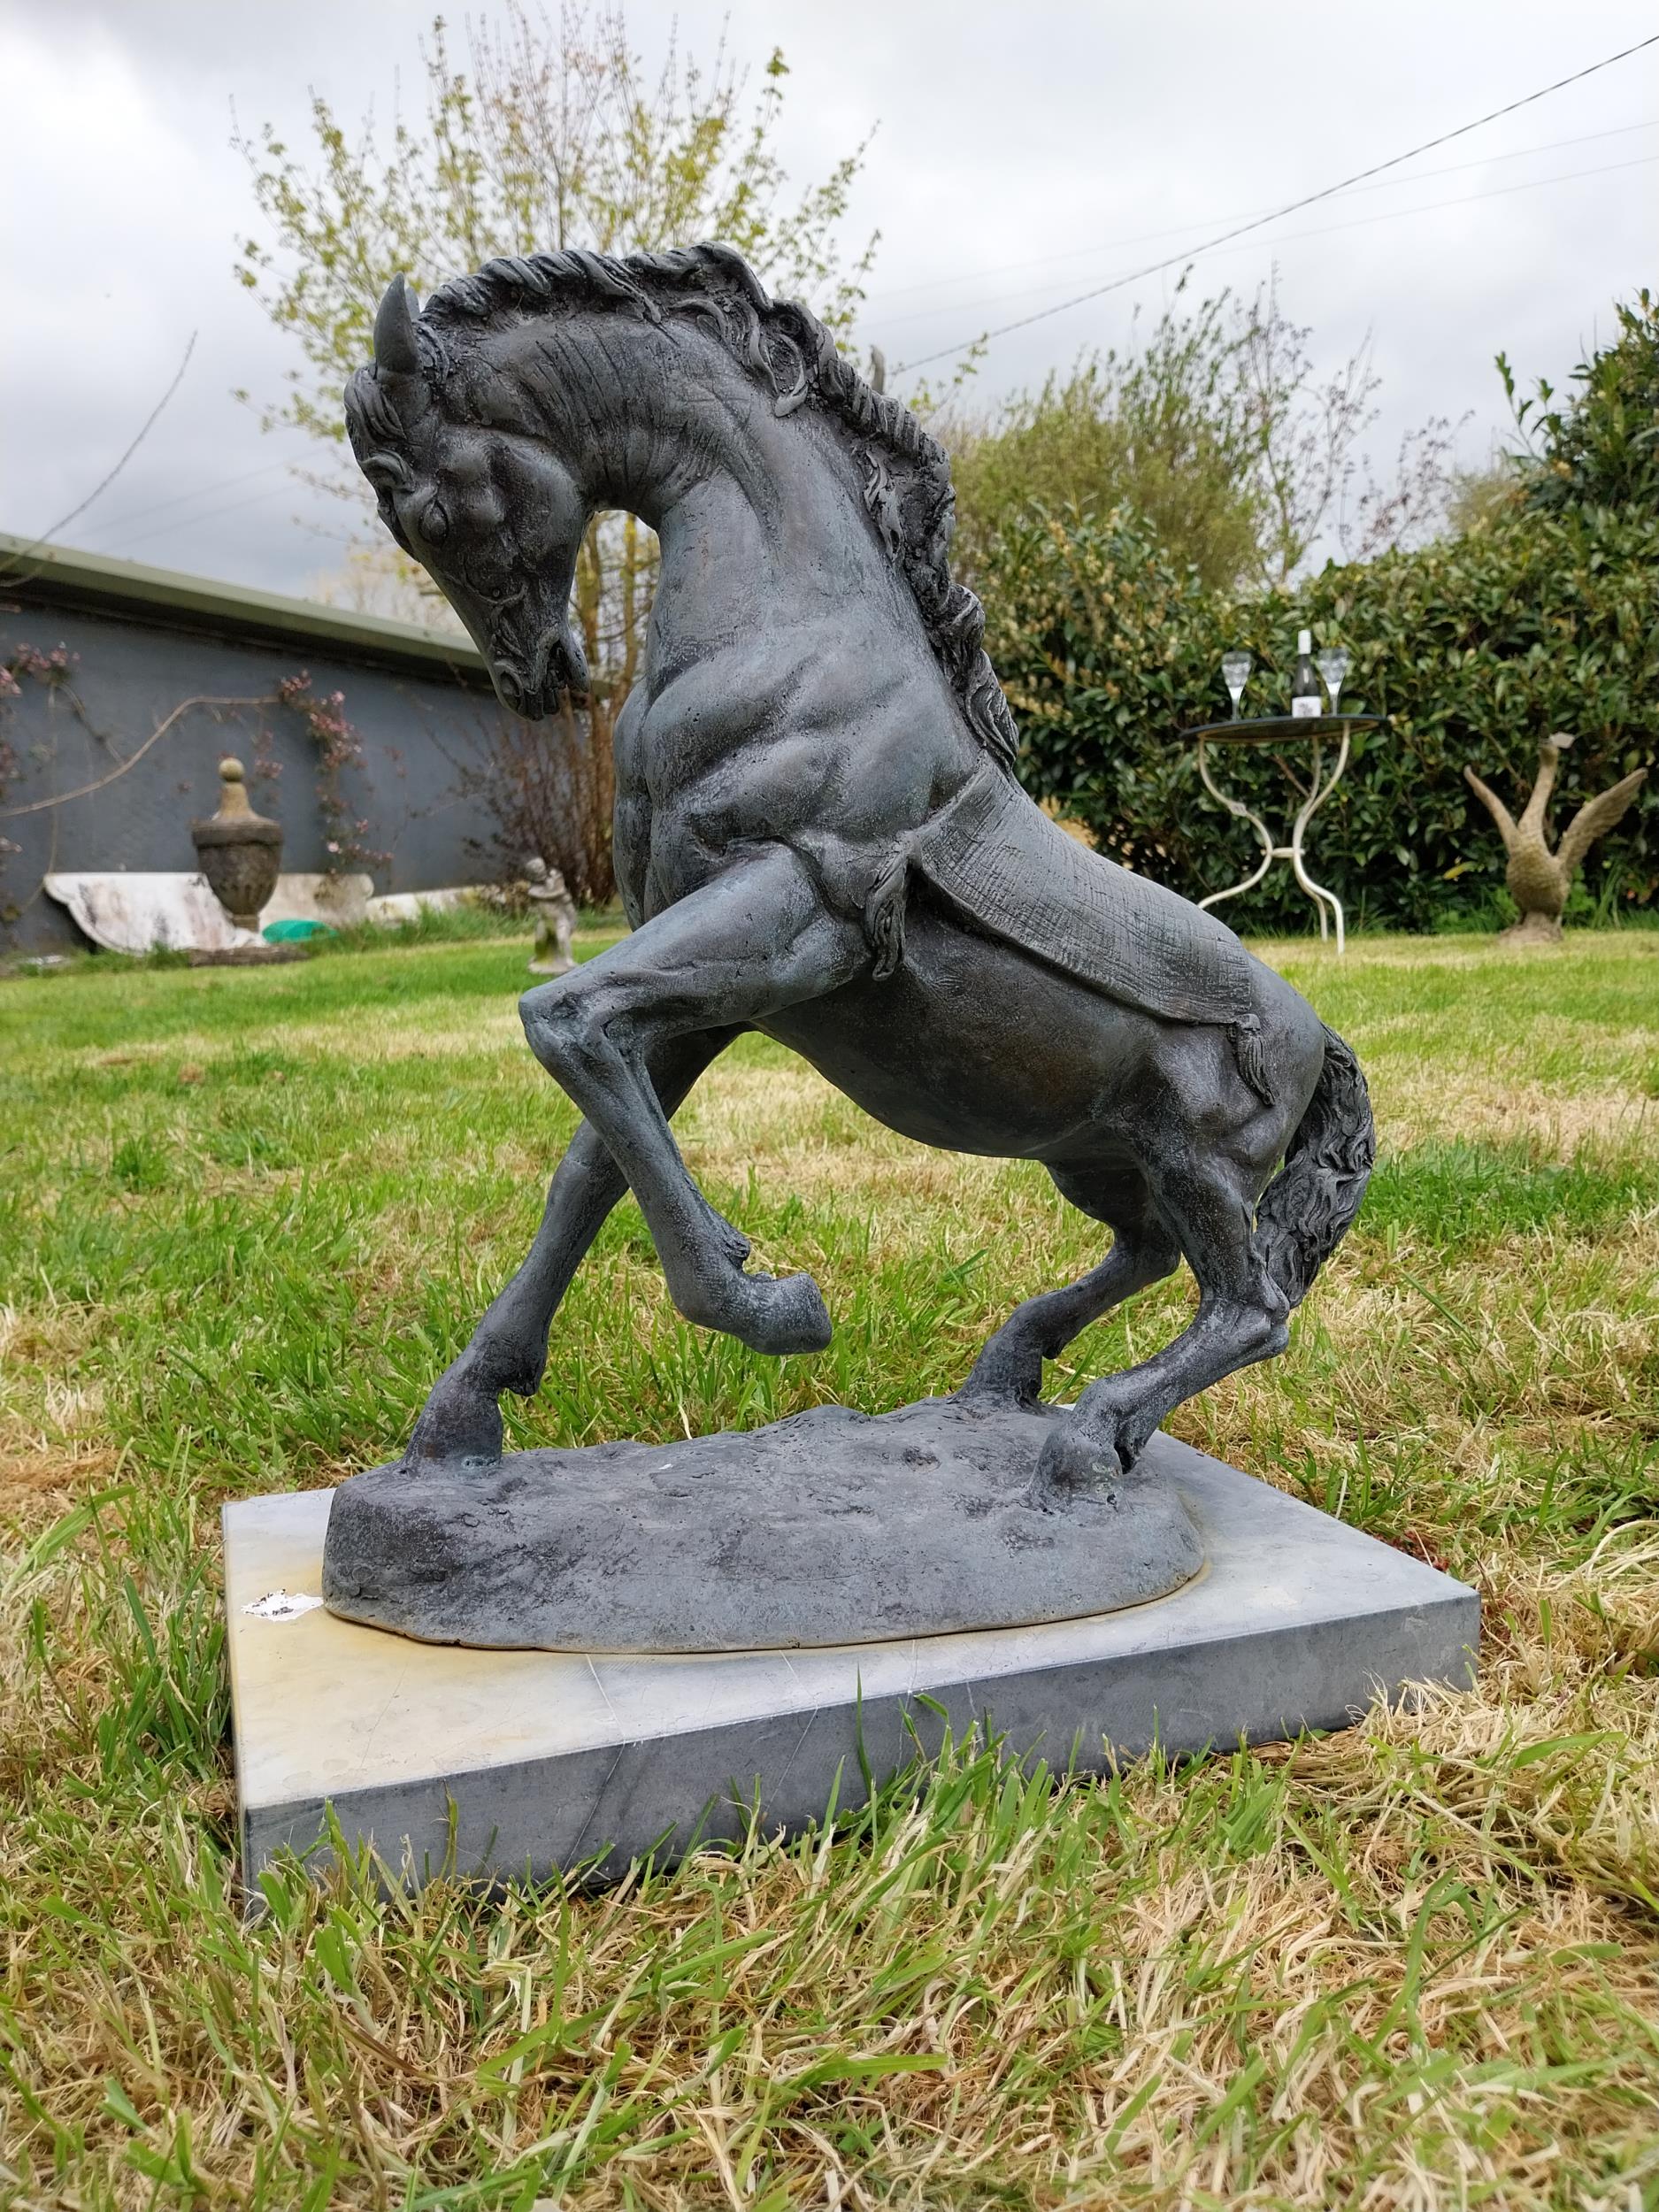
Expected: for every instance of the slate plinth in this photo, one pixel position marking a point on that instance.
(831, 1527)
(553, 1759)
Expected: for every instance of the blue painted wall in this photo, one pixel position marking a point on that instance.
(417, 727)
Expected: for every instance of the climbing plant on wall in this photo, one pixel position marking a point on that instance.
(339, 751)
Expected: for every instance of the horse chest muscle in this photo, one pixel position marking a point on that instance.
(821, 744)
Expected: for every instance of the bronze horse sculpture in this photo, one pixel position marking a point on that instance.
(819, 835)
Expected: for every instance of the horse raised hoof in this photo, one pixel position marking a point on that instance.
(1072, 1466)
(780, 1316)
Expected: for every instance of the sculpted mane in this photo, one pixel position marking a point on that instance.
(907, 487)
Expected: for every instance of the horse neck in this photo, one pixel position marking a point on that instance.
(690, 444)
(792, 545)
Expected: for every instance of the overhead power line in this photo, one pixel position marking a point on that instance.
(11, 575)
(125, 520)
(204, 514)
(1291, 207)
(1383, 215)
(878, 302)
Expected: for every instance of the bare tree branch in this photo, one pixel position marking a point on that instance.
(62, 798)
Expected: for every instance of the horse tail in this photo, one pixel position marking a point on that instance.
(1306, 1211)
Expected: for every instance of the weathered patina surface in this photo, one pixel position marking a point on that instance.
(828, 1528)
(819, 835)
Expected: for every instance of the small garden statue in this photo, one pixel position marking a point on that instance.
(555, 913)
(1538, 880)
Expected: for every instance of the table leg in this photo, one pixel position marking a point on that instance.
(1318, 795)
(1236, 807)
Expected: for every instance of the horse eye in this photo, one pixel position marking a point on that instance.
(435, 523)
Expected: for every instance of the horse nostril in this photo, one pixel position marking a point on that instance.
(509, 686)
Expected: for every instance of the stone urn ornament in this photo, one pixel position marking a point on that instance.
(1538, 880)
(240, 851)
(555, 913)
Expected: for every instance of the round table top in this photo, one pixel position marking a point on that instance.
(1273, 729)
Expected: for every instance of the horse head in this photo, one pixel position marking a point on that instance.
(492, 515)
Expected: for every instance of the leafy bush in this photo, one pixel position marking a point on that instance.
(1098, 637)
(1164, 430)
(1601, 449)
(1219, 431)
(1475, 648)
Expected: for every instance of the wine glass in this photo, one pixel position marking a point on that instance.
(1332, 665)
(1235, 674)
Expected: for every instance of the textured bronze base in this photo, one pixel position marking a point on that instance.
(828, 1528)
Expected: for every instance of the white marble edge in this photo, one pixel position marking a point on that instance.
(425, 1711)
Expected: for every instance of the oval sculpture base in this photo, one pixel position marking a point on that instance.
(832, 1527)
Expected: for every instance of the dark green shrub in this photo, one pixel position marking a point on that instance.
(1475, 648)
(1602, 448)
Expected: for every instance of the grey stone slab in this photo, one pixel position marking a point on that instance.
(831, 1527)
(550, 1758)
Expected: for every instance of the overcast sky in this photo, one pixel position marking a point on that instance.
(1022, 155)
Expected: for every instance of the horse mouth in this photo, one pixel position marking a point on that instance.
(532, 685)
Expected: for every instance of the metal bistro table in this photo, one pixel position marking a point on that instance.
(1278, 729)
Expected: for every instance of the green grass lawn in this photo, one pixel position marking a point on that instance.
(246, 1217)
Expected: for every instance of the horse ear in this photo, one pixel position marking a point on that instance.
(395, 348)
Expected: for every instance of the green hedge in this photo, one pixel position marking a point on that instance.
(1475, 648)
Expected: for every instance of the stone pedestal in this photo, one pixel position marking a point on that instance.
(554, 1759)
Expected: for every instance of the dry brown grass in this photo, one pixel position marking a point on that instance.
(1414, 1964)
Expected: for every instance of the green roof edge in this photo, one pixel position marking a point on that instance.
(62, 573)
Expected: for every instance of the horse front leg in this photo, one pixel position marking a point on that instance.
(754, 939)
(460, 1423)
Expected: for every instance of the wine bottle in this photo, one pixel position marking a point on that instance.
(1306, 698)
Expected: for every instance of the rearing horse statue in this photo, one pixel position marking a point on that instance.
(819, 835)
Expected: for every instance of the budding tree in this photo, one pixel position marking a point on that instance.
(544, 135)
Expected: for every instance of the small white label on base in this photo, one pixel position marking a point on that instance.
(1300, 709)
(281, 1605)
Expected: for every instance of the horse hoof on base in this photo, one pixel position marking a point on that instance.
(459, 1426)
(1072, 1466)
(786, 1317)
(1000, 1379)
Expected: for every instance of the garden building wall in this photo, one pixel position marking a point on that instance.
(102, 651)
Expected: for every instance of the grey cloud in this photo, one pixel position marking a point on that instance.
(1006, 137)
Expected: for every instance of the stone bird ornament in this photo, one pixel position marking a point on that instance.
(1538, 879)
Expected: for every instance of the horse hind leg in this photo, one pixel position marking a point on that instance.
(1242, 1317)
(1008, 1369)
